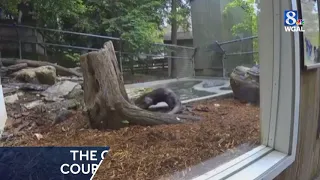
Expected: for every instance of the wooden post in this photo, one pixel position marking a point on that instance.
(307, 163)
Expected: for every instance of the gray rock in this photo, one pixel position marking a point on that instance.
(76, 93)
(245, 86)
(52, 99)
(11, 99)
(42, 75)
(33, 104)
(55, 107)
(76, 69)
(8, 90)
(60, 89)
(26, 87)
(67, 78)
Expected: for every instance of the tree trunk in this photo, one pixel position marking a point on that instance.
(105, 97)
(174, 32)
(14, 68)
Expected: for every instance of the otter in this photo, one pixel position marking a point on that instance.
(160, 95)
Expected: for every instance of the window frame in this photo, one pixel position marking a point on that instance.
(3, 111)
(280, 114)
(279, 120)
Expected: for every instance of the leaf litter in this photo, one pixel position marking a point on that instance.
(143, 153)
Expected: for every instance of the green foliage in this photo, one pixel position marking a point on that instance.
(250, 20)
(11, 6)
(138, 23)
(72, 56)
(250, 17)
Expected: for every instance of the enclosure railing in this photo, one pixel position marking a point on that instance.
(164, 51)
(218, 47)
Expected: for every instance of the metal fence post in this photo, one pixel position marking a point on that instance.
(222, 61)
(120, 56)
(193, 61)
(19, 41)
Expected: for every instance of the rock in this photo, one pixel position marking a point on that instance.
(76, 93)
(60, 89)
(8, 90)
(76, 69)
(12, 87)
(73, 78)
(57, 106)
(245, 84)
(42, 75)
(11, 99)
(52, 99)
(33, 104)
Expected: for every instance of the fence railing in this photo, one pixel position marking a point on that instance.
(164, 56)
(218, 48)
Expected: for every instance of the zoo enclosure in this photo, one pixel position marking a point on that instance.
(159, 61)
(218, 47)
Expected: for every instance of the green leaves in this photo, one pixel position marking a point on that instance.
(250, 17)
(250, 20)
(138, 22)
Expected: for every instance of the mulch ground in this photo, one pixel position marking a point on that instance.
(151, 152)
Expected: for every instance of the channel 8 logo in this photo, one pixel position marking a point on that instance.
(290, 17)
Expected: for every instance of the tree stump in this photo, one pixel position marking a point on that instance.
(245, 84)
(105, 96)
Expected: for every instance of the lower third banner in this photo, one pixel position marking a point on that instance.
(51, 163)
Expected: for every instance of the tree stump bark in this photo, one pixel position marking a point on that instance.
(105, 96)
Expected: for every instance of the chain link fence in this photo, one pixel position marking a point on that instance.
(159, 61)
(227, 55)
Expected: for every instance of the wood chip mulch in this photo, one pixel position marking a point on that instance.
(140, 153)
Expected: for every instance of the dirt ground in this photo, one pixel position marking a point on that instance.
(145, 152)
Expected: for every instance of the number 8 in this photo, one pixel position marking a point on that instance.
(290, 16)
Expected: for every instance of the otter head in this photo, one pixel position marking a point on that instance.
(148, 101)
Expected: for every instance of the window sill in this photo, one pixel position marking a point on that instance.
(260, 163)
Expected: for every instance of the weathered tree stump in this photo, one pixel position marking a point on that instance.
(245, 84)
(105, 97)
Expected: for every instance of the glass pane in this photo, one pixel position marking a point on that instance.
(198, 63)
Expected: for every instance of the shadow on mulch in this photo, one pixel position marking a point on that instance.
(153, 152)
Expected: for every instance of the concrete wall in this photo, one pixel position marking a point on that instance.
(209, 24)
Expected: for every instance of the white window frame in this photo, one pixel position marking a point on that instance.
(279, 53)
(3, 112)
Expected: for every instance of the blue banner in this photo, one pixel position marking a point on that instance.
(50, 163)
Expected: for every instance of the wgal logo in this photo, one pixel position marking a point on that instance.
(292, 23)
